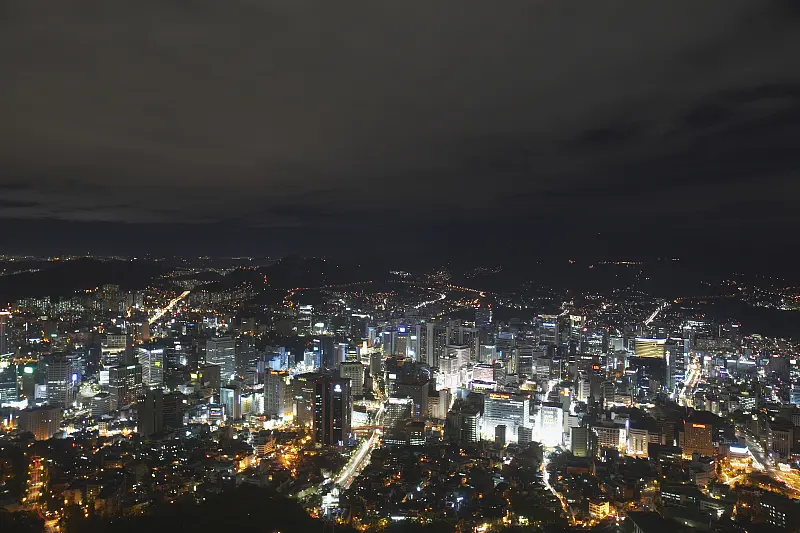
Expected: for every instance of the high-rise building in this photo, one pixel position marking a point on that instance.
(551, 423)
(151, 359)
(115, 349)
(125, 384)
(417, 390)
(354, 371)
(43, 422)
(101, 404)
(275, 393)
(5, 324)
(435, 342)
(150, 410)
(61, 381)
(9, 389)
(332, 411)
(509, 410)
(230, 397)
(579, 441)
(697, 438)
(398, 411)
(208, 375)
(548, 329)
(221, 351)
(304, 391)
(174, 407)
(676, 363)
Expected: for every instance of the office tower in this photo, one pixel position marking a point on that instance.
(61, 381)
(150, 410)
(176, 354)
(151, 359)
(275, 393)
(125, 384)
(398, 411)
(332, 411)
(5, 325)
(435, 342)
(697, 438)
(43, 422)
(487, 353)
(417, 390)
(483, 372)
(509, 410)
(304, 391)
(101, 404)
(354, 371)
(676, 362)
(638, 439)
(376, 365)
(464, 423)
(579, 441)
(230, 397)
(483, 317)
(548, 329)
(526, 357)
(551, 423)
(221, 351)
(9, 390)
(449, 374)
(644, 347)
(439, 403)
(174, 404)
(247, 355)
(115, 349)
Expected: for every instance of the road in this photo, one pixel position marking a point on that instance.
(692, 377)
(361, 457)
(655, 313)
(161, 312)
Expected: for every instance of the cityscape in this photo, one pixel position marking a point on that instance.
(447, 398)
(527, 266)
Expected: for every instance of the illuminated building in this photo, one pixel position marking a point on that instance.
(61, 381)
(579, 441)
(696, 438)
(551, 423)
(676, 362)
(332, 411)
(125, 384)
(509, 410)
(230, 398)
(102, 404)
(354, 371)
(398, 411)
(151, 359)
(275, 393)
(114, 349)
(5, 319)
(9, 390)
(649, 347)
(610, 435)
(303, 403)
(548, 329)
(435, 343)
(637, 442)
(599, 508)
(221, 351)
(43, 422)
(174, 404)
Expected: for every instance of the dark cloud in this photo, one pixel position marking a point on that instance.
(361, 117)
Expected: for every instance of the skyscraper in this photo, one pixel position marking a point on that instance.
(151, 358)
(354, 371)
(5, 319)
(222, 352)
(150, 409)
(125, 384)
(332, 411)
(275, 393)
(61, 381)
(230, 397)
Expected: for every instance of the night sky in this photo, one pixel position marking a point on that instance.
(466, 127)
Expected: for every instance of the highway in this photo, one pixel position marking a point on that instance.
(655, 313)
(361, 457)
(161, 312)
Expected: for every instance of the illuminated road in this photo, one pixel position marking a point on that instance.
(655, 313)
(692, 377)
(441, 297)
(564, 503)
(361, 457)
(161, 312)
